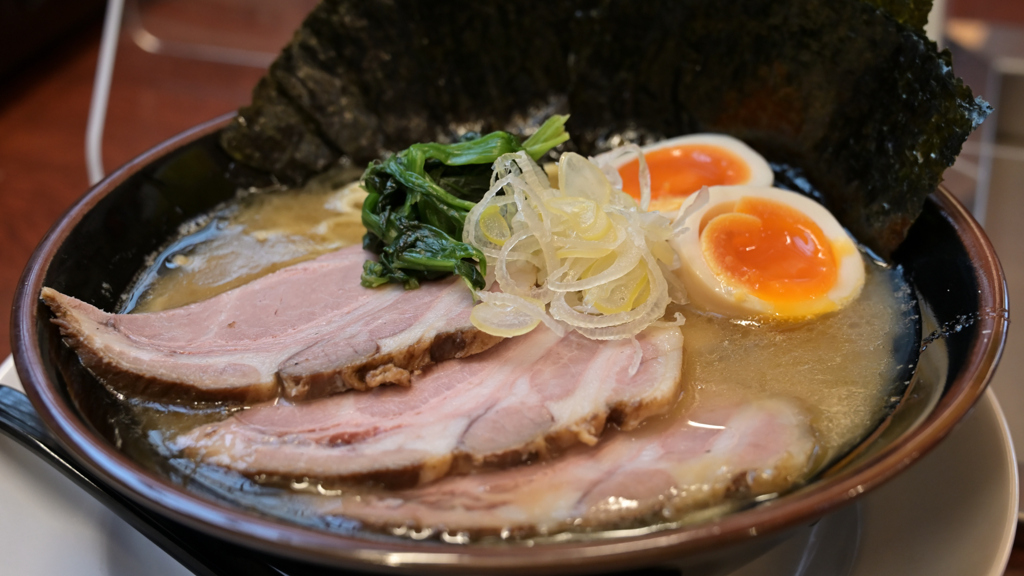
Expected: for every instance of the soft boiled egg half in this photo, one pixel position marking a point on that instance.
(757, 251)
(681, 166)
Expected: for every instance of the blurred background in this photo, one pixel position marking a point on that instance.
(182, 62)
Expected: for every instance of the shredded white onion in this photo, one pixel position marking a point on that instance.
(638, 355)
(585, 251)
(609, 162)
(679, 224)
(526, 306)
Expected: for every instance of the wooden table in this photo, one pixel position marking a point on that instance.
(42, 132)
(43, 115)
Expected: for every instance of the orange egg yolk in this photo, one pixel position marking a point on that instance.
(682, 170)
(774, 251)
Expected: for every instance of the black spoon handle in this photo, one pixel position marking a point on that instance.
(202, 554)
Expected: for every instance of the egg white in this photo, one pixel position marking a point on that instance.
(721, 295)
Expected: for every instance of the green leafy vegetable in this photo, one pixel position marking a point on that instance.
(418, 200)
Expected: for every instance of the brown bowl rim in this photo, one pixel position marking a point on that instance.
(253, 530)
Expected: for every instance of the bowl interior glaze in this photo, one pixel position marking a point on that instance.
(96, 249)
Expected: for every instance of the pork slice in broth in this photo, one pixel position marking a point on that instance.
(513, 403)
(306, 331)
(724, 455)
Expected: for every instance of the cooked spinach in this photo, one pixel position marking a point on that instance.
(418, 200)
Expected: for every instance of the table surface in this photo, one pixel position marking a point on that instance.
(43, 111)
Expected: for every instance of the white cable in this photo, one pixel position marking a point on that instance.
(101, 91)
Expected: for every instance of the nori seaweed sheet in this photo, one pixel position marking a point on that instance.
(848, 93)
(913, 13)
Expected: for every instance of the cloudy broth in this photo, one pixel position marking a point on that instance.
(845, 369)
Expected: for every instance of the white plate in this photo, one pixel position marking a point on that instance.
(953, 513)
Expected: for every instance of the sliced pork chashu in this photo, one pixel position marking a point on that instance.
(306, 331)
(515, 402)
(729, 454)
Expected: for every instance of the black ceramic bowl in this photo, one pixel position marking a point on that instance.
(95, 250)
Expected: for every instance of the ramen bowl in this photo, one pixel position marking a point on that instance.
(96, 249)
(637, 72)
